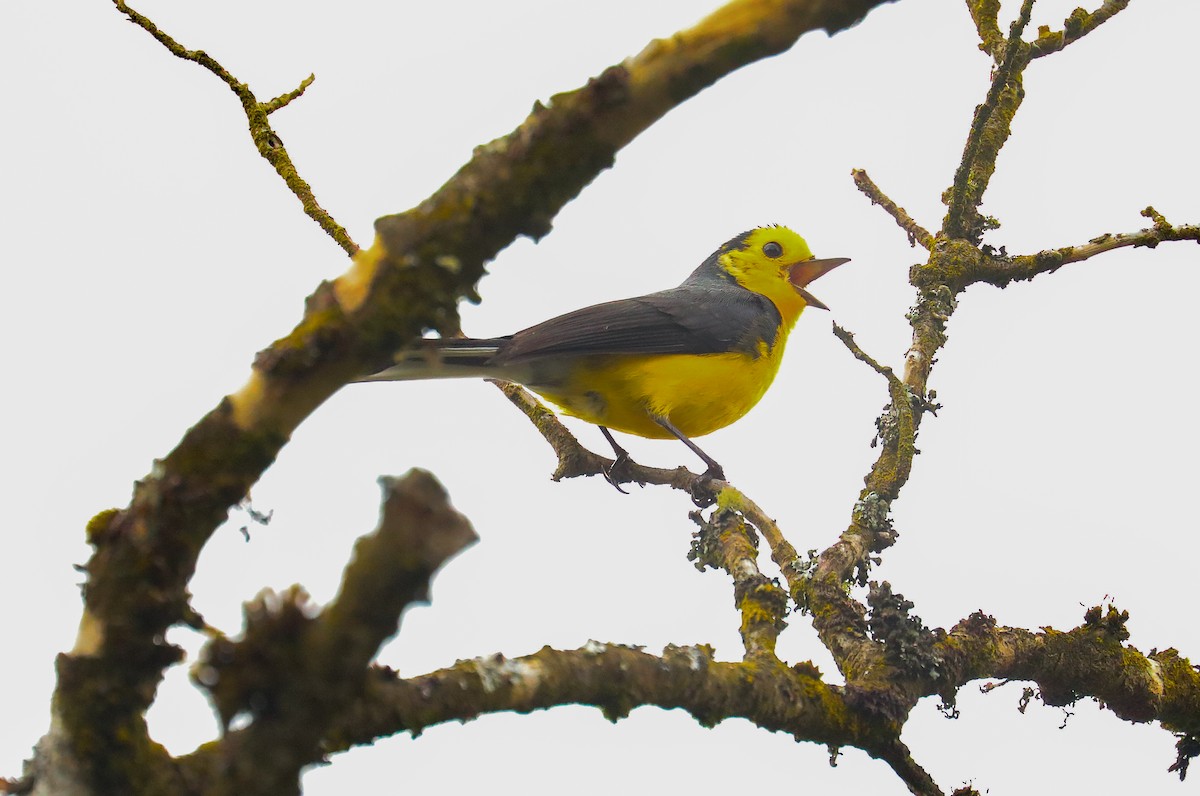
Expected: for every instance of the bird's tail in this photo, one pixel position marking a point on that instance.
(442, 358)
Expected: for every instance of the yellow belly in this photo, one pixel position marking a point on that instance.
(698, 393)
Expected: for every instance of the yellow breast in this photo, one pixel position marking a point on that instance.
(698, 393)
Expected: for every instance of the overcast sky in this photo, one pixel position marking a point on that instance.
(149, 253)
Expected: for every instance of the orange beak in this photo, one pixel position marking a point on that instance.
(806, 271)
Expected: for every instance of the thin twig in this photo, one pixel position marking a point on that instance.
(1001, 271)
(916, 233)
(283, 99)
(847, 337)
(268, 143)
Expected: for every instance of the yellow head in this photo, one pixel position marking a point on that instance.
(777, 263)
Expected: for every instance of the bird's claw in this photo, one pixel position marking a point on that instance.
(613, 471)
(701, 490)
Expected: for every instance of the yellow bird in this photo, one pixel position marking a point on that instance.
(678, 363)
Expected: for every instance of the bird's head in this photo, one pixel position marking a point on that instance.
(777, 263)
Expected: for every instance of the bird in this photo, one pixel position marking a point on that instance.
(679, 363)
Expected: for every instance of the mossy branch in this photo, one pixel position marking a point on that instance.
(294, 669)
(727, 542)
(985, 14)
(1001, 270)
(916, 233)
(1079, 24)
(1088, 661)
(616, 679)
(988, 133)
(266, 141)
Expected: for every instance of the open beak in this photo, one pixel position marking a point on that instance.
(807, 271)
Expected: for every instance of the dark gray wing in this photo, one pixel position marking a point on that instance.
(689, 319)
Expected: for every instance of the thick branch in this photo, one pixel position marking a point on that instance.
(1087, 661)
(617, 680)
(292, 673)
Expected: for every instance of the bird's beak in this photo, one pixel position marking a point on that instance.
(806, 271)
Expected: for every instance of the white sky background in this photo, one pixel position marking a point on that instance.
(149, 253)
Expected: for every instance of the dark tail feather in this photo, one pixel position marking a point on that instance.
(442, 358)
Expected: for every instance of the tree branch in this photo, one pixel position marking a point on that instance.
(269, 145)
(292, 672)
(725, 541)
(616, 679)
(1087, 661)
(1001, 271)
(989, 131)
(916, 233)
(422, 262)
(985, 15)
(1079, 24)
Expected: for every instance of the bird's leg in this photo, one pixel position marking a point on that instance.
(714, 470)
(613, 471)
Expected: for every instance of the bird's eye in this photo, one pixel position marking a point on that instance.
(772, 249)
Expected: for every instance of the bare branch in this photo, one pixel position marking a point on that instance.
(916, 233)
(268, 143)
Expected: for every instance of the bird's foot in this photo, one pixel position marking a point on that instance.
(618, 471)
(701, 490)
